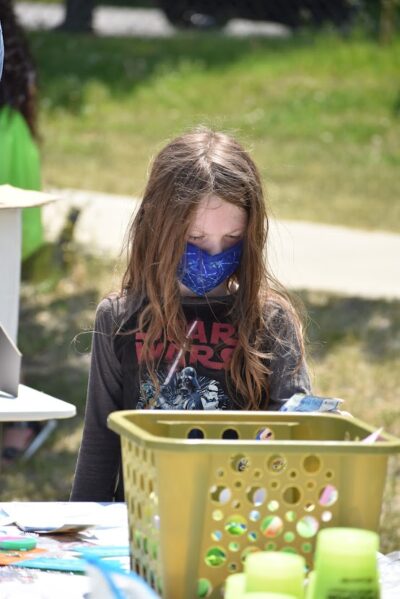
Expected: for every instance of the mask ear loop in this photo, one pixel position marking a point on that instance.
(178, 357)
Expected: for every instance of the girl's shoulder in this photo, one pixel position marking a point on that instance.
(283, 324)
(112, 313)
(278, 309)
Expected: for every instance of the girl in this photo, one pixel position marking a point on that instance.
(199, 322)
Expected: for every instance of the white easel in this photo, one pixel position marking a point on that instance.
(12, 200)
(27, 404)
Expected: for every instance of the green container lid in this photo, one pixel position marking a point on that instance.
(345, 563)
(267, 596)
(17, 543)
(235, 586)
(346, 548)
(275, 572)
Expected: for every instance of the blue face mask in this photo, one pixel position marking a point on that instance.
(201, 272)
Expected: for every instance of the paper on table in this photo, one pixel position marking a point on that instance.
(5, 518)
(113, 529)
(43, 584)
(107, 536)
(53, 528)
(64, 516)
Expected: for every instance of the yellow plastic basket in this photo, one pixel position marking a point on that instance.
(203, 492)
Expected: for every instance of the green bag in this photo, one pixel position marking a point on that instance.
(20, 166)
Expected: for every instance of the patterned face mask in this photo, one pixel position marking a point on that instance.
(201, 272)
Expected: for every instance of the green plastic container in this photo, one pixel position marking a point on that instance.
(345, 564)
(275, 572)
(199, 506)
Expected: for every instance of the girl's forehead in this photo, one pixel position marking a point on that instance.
(214, 213)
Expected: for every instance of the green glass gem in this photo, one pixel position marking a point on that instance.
(215, 557)
(203, 588)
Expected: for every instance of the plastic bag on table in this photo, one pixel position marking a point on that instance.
(109, 582)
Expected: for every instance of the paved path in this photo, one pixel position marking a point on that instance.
(143, 22)
(302, 255)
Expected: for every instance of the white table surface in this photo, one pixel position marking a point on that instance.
(33, 405)
(110, 527)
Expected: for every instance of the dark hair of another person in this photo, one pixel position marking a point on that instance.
(17, 86)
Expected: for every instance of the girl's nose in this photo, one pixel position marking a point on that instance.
(215, 246)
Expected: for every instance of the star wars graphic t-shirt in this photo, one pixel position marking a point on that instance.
(196, 379)
(182, 390)
(191, 380)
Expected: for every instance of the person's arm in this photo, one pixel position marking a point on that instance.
(289, 369)
(99, 457)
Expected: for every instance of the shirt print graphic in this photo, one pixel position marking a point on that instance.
(212, 347)
(182, 390)
(181, 386)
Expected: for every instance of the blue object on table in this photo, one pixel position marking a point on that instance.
(102, 551)
(300, 402)
(53, 563)
(112, 583)
(57, 564)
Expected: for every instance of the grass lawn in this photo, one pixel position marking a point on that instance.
(353, 353)
(320, 114)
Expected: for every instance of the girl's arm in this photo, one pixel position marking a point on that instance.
(99, 459)
(289, 369)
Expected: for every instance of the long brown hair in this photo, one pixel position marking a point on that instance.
(193, 166)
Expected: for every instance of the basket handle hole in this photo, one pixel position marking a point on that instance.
(230, 433)
(195, 433)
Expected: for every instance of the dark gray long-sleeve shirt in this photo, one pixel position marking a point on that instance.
(196, 380)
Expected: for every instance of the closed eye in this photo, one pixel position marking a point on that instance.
(198, 237)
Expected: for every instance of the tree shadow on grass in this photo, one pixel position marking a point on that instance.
(66, 63)
(55, 340)
(336, 320)
(48, 475)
